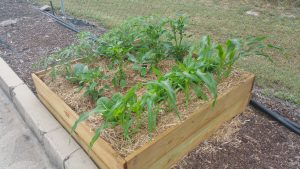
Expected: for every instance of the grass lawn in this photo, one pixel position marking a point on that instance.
(221, 19)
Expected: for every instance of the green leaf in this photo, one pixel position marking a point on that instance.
(123, 83)
(143, 71)
(132, 58)
(157, 72)
(200, 94)
(97, 134)
(210, 82)
(103, 103)
(82, 118)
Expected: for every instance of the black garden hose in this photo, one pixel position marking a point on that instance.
(60, 21)
(69, 26)
(283, 120)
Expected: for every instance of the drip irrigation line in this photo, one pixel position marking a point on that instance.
(283, 120)
(60, 21)
(67, 25)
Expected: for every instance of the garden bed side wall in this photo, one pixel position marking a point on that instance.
(176, 142)
(102, 153)
(169, 146)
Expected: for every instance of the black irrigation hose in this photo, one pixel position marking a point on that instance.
(285, 121)
(62, 22)
(69, 26)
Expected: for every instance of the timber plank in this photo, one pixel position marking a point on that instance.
(169, 146)
(104, 155)
(155, 150)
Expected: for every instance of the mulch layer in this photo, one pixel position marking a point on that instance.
(250, 140)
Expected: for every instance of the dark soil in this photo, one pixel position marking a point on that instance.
(33, 37)
(250, 140)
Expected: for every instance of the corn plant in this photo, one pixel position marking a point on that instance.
(119, 110)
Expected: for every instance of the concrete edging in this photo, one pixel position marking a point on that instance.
(62, 150)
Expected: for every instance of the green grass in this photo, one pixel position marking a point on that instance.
(222, 20)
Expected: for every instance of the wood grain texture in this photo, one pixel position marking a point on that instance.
(169, 146)
(154, 151)
(102, 153)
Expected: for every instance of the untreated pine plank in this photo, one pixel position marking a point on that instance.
(194, 140)
(161, 152)
(91, 153)
(102, 152)
(155, 150)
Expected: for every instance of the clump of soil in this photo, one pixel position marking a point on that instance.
(166, 119)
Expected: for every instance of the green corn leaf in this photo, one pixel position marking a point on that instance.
(199, 92)
(97, 134)
(191, 77)
(150, 102)
(126, 126)
(82, 118)
(157, 72)
(210, 82)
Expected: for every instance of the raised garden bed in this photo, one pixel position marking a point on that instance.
(166, 148)
(143, 95)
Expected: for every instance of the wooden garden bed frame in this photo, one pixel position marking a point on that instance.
(168, 147)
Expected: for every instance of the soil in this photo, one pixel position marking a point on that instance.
(33, 37)
(250, 140)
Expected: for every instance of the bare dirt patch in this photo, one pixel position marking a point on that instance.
(34, 36)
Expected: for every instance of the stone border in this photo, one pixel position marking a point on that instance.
(60, 147)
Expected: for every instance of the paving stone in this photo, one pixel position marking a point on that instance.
(33, 111)
(8, 78)
(60, 146)
(19, 148)
(79, 160)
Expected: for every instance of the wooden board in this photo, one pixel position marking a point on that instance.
(154, 151)
(102, 153)
(168, 147)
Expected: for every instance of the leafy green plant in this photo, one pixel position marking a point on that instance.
(86, 78)
(83, 49)
(117, 53)
(178, 27)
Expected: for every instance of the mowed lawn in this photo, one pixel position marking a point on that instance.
(222, 19)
